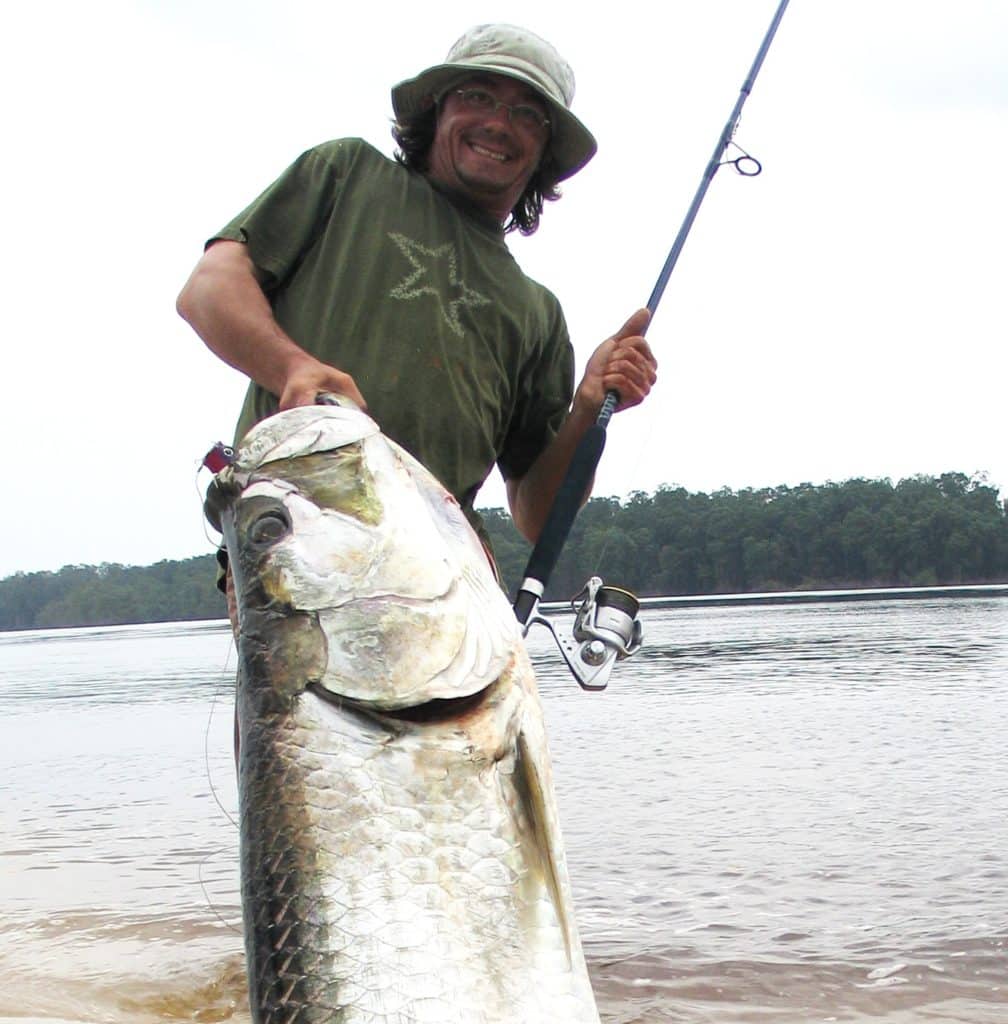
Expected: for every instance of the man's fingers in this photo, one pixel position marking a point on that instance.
(635, 325)
(634, 357)
(302, 389)
(631, 372)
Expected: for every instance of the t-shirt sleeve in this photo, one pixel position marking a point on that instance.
(282, 224)
(544, 396)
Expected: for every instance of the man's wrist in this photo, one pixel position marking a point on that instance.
(583, 413)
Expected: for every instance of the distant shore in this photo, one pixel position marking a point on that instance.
(809, 596)
(818, 596)
(859, 540)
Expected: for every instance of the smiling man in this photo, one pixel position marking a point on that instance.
(390, 281)
(492, 135)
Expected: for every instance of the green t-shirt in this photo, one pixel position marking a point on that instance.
(462, 359)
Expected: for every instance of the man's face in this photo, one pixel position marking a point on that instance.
(486, 155)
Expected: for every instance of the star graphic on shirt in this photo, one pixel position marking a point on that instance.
(429, 267)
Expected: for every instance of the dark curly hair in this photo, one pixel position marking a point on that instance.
(414, 135)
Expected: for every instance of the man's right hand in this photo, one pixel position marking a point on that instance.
(309, 376)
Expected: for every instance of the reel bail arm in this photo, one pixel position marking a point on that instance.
(606, 630)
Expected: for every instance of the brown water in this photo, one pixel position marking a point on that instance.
(774, 814)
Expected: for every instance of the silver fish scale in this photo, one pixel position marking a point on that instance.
(286, 942)
(377, 902)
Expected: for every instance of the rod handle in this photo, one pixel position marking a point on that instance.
(607, 410)
(561, 518)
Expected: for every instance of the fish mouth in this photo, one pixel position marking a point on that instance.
(435, 711)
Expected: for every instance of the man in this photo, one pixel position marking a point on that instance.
(390, 283)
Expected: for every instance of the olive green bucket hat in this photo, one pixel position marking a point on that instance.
(515, 53)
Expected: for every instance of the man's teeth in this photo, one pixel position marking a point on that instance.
(488, 152)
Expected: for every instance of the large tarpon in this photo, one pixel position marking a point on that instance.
(401, 858)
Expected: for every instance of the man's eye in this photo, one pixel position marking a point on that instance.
(528, 116)
(478, 98)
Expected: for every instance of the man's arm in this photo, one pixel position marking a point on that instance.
(224, 303)
(623, 363)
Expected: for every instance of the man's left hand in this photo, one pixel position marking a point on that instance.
(623, 363)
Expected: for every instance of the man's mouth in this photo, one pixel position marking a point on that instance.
(491, 154)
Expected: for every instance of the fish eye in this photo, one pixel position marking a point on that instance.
(269, 527)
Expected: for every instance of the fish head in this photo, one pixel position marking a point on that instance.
(354, 569)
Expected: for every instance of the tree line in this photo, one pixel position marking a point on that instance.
(921, 531)
(110, 594)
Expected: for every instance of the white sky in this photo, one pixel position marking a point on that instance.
(842, 315)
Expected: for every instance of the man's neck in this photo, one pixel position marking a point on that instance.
(468, 206)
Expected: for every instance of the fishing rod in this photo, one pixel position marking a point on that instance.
(606, 627)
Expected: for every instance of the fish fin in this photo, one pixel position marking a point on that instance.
(534, 793)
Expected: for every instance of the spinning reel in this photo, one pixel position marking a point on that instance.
(606, 630)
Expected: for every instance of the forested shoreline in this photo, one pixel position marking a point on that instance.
(922, 531)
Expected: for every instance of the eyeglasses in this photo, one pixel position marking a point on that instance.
(522, 114)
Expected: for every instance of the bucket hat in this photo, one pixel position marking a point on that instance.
(515, 53)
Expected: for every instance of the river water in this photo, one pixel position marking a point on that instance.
(774, 814)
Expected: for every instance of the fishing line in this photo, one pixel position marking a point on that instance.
(223, 672)
(200, 496)
(206, 893)
(215, 544)
(586, 456)
(651, 410)
(749, 167)
(206, 737)
(213, 792)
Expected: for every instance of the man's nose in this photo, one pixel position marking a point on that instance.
(500, 116)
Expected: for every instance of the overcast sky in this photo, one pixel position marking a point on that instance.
(841, 315)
